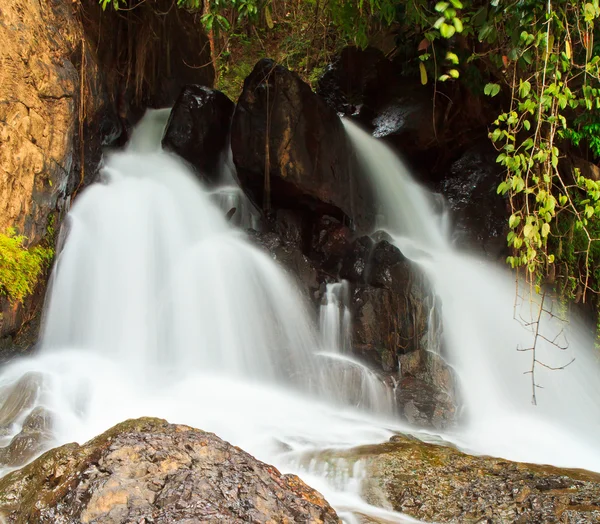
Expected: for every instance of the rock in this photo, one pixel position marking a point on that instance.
(357, 82)
(424, 405)
(390, 315)
(198, 129)
(587, 169)
(365, 84)
(386, 325)
(331, 243)
(147, 470)
(17, 398)
(289, 255)
(149, 53)
(281, 124)
(437, 483)
(481, 215)
(34, 437)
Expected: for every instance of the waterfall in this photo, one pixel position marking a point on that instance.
(335, 319)
(159, 306)
(484, 324)
(355, 382)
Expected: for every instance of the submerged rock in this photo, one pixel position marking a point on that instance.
(34, 437)
(17, 398)
(198, 128)
(147, 470)
(436, 483)
(283, 131)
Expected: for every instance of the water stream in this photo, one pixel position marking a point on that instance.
(484, 322)
(159, 306)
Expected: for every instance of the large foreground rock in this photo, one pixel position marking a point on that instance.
(440, 484)
(291, 150)
(149, 471)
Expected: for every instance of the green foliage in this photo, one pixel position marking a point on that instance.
(20, 268)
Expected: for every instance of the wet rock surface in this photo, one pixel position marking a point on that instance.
(149, 471)
(388, 299)
(440, 484)
(357, 81)
(290, 148)
(424, 405)
(35, 436)
(479, 213)
(198, 129)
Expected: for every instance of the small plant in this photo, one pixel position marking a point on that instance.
(20, 268)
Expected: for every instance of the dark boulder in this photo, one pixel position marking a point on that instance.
(368, 86)
(389, 301)
(198, 128)
(479, 213)
(330, 244)
(292, 259)
(283, 130)
(147, 470)
(358, 81)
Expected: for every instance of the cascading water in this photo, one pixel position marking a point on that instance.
(357, 384)
(481, 335)
(159, 307)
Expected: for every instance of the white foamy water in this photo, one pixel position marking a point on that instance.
(482, 335)
(159, 307)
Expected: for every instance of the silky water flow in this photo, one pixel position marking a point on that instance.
(487, 323)
(159, 306)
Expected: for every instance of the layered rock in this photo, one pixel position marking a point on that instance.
(147, 470)
(198, 129)
(290, 148)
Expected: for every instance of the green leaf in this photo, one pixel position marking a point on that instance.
(524, 89)
(458, 25)
(423, 72)
(447, 31)
(452, 57)
(545, 229)
(440, 7)
(491, 89)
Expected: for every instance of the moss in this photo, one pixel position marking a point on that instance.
(20, 267)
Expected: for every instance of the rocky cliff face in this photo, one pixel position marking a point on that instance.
(147, 470)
